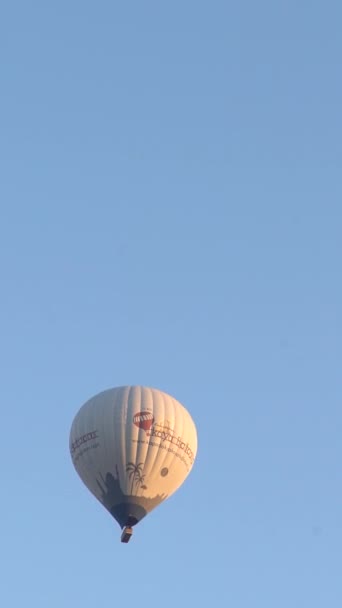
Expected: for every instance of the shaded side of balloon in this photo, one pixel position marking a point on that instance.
(112, 495)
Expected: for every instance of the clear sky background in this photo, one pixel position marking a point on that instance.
(171, 215)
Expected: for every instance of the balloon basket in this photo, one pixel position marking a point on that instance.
(126, 534)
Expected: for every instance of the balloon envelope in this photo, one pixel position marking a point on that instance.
(133, 447)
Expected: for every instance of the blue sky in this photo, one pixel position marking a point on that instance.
(170, 202)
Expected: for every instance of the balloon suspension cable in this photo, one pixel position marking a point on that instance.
(126, 534)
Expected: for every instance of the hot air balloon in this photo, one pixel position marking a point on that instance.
(133, 447)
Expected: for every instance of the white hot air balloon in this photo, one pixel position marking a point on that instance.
(133, 447)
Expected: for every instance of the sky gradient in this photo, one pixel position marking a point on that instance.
(170, 202)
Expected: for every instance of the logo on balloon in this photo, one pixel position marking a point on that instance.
(143, 420)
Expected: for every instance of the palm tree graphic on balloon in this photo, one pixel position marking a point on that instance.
(135, 474)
